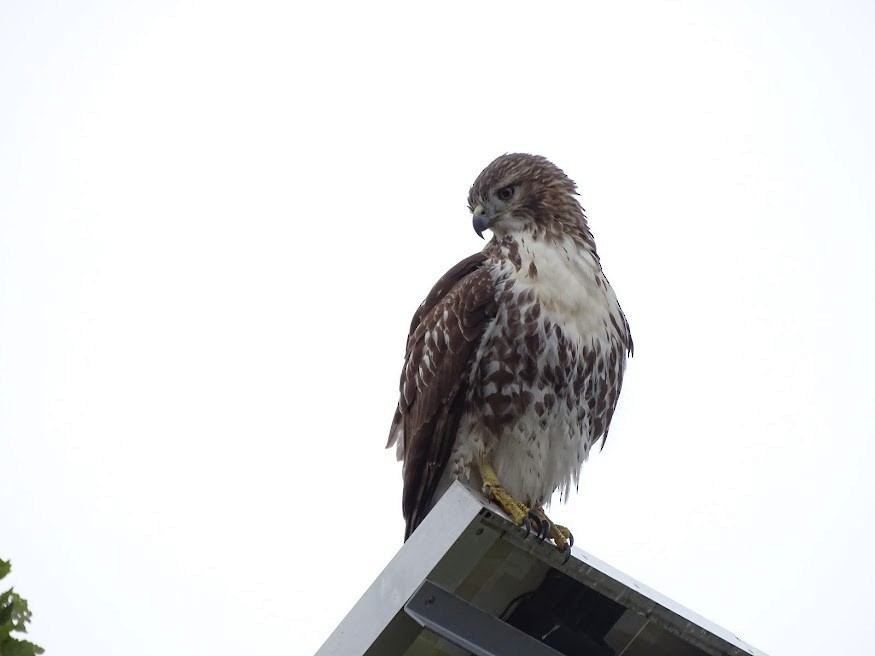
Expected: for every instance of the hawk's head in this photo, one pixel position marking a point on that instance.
(520, 192)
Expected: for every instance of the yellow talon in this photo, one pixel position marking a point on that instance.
(556, 532)
(520, 512)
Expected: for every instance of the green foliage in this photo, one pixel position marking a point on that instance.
(14, 615)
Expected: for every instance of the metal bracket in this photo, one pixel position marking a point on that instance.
(468, 627)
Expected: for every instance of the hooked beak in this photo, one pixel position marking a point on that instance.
(481, 223)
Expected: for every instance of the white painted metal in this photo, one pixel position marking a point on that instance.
(470, 548)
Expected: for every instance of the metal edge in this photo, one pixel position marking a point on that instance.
(620, 587)
(410, 566)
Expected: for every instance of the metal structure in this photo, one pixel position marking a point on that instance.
(468, 581)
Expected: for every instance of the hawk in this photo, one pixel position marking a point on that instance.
(515, 359)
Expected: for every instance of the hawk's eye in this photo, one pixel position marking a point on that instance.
(505, 193)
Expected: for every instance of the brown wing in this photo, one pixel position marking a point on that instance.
(443, 339)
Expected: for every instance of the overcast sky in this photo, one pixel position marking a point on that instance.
(216, 221)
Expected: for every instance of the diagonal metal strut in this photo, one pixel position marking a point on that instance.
(468, 627)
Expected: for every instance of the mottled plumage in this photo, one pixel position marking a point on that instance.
(516, 357)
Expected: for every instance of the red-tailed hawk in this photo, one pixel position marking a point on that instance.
(515, 359)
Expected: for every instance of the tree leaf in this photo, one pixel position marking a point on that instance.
(14, 616)
(13, 647)
(14, 609)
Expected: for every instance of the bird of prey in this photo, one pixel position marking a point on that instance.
(515, 359)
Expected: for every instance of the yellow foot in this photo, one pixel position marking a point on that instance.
(518, 511)
(524, 516)
(561, 536)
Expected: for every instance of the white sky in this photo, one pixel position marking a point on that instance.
(216, 221)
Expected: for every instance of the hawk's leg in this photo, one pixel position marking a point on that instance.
(522, 515)
(493, 489)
